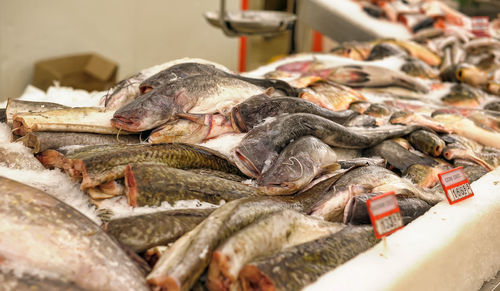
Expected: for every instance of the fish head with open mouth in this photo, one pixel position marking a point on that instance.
(149, 110)
(248, 111)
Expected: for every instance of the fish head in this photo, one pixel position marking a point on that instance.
(148, 111)
(286, 176)
(348, 51)
(471, 75)
(422, 175)
(243, 160)
(248, 111)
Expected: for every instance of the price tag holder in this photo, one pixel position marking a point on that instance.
(456, 185)
(480, 26)
(384, 214)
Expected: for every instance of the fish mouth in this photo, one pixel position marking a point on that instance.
(126, 123)
(245, 165)
(237, 121)
(145, 89)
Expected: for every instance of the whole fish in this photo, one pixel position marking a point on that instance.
(256, 109)
(368, 179)
(99, 164)
(128, 89)
(417, 68)
(297, 165)
(184, 70)
(295, 267)
(145, 231)
(356, 211)
(472, 75)
(373, 76)
(263, 143)
(275, 232)
(15, 106)
(49, 237)
(416, 50)
(397, 156)
(384, 50)
(194, 94)
(427, 142)
(192, 129)
(79, 119)
(458, 149)
(149, 184)
(184, 262)
(466, 127)
(43, 140)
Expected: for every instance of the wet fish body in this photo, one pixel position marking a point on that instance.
(200, 94)
(256, 109)
(427, 142)
(274, 232)
(150, 184)
(263, 143)
(145, 231)
(49, 237)
(306, 262)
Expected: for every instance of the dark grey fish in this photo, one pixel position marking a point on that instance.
(263, 143)
(356, 211)
(398, 156)
(384, 50)
(298, 266)
(142, 232)
(256, 109)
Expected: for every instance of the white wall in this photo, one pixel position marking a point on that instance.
(134, 33)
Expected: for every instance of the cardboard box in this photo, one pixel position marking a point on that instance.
(86, 71)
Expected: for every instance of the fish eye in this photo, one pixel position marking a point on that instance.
(460, 74)
(349, 50)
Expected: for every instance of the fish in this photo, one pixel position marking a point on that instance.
(426, 34)
(40, 141)
(184, 70)
(150, 184)
(479, 45)
(47, 236)
(373, 76)
(275, 232)
(493, 87)
(466, 127)
(356, 211)
(384, 50)
(256, 109)
(368, 179)
(362, 161)
(463, 95)
(381, 112)
(192, 129)
(15, 106)
(331, 96)
(362, 121)
(360, 106)
(297, 165)
(262, 144)
(427, 142)
(196, 94)
(472, 75)
(473, 171)
(353, 50)
(459, 151)
(99, 164)
(142, 232)
(128, 89)
(152, 255)
(413, 118)
(493, 106)
(79, 119)
(216, 173)
(397, 156)
(12, 282)
(417, 68)
(426, 176)
(186, 259)
(486, 120)
(107, 190)
(306, 262)
(416, 50)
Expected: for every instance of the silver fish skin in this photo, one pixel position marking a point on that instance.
(263, 143)
(195, 94)
(49, 237)
(297, 165)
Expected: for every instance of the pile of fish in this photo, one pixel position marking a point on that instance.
(312, 139)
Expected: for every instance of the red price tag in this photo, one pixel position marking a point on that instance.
(456, 185)
(480, 26)
(384, 214)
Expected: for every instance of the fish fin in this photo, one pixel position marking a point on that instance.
(194, 117)
(358, 77)
(330, 168)
(269, 91)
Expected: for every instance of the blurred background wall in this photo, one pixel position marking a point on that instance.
(134, 33)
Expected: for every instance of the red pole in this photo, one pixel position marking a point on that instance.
(317, 42)
(243, 43)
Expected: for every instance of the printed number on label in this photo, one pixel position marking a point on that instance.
(460, 191)
(389, 223)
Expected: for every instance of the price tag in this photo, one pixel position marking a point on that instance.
(384, 214)
(480, 26)
(456, 185)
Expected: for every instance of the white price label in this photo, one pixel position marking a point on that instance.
(459, 192)
(453, 177)
(389, 223)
